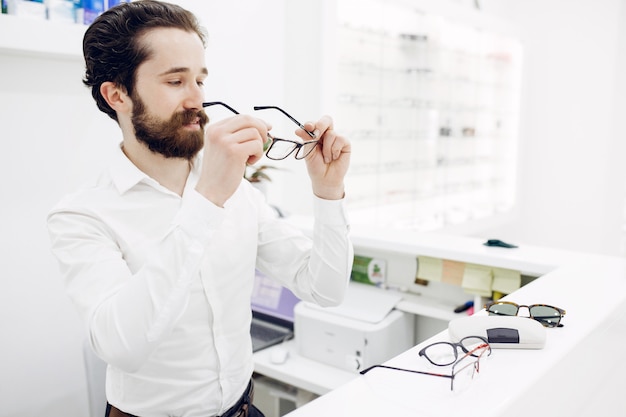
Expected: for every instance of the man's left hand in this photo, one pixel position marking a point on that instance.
(328, 163)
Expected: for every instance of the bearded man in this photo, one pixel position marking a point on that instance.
(159, 254)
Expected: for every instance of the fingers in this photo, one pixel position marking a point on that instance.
(318, 128)
(247, 144)
(332, 145)
(230, 144)
(242, 135)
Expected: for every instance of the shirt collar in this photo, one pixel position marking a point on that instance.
(126, 175)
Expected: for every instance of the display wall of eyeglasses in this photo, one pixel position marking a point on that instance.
(431, 108)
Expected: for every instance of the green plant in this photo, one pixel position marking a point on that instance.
(258, 173)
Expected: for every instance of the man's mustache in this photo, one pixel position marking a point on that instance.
(190, 116)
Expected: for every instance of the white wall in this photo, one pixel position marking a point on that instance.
(48, 127)
(572, 168)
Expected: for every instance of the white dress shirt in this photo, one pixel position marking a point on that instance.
(163, 283)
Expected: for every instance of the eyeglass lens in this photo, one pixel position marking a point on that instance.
(445, 353)
(281, 149)
(546, 315)
(468, 366)
(464, 375)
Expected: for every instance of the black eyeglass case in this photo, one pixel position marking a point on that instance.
(511, 332)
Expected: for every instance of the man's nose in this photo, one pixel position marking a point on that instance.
(194, 97)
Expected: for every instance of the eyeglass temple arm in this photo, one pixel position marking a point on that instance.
(300, 125)
(413, 371)
(219, 103)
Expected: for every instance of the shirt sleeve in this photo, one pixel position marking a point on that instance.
(316, 268)
(126, 313)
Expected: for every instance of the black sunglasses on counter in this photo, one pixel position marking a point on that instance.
(548, 316)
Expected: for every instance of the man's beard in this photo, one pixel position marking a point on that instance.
(168, 137)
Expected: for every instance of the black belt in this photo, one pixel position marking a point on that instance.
(240, 409)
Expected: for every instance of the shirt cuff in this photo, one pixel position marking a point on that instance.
(330, 212)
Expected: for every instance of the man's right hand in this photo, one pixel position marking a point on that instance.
(229, 145)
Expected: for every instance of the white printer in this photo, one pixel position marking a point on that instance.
(364, 330)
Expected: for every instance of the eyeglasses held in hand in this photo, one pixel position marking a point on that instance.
(280, 148)
(446, 353)
(469, 362)
(549, 316)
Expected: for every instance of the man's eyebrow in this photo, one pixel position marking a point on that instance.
(177, 70)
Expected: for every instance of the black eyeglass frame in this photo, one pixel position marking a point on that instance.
(297, 146)
(454, 346)
(455, 371)
(541, 319)
(300, 125)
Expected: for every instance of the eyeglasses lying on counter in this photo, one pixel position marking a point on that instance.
(280, 148)
(465, 367)
(547, 315)
(446, 353)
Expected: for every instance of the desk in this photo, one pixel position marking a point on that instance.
(580, 372)
(301, 372)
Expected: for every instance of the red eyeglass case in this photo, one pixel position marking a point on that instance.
(511, 332)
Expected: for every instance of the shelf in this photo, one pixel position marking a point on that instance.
(443, 97)
(40, 38)
(301, 372)
(427, 307)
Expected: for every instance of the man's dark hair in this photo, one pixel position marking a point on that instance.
(112, 47)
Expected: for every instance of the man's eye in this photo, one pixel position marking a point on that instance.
(175, 82)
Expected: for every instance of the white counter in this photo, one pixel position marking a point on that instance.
(579, 372)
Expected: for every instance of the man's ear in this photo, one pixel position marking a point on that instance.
(116, 97)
